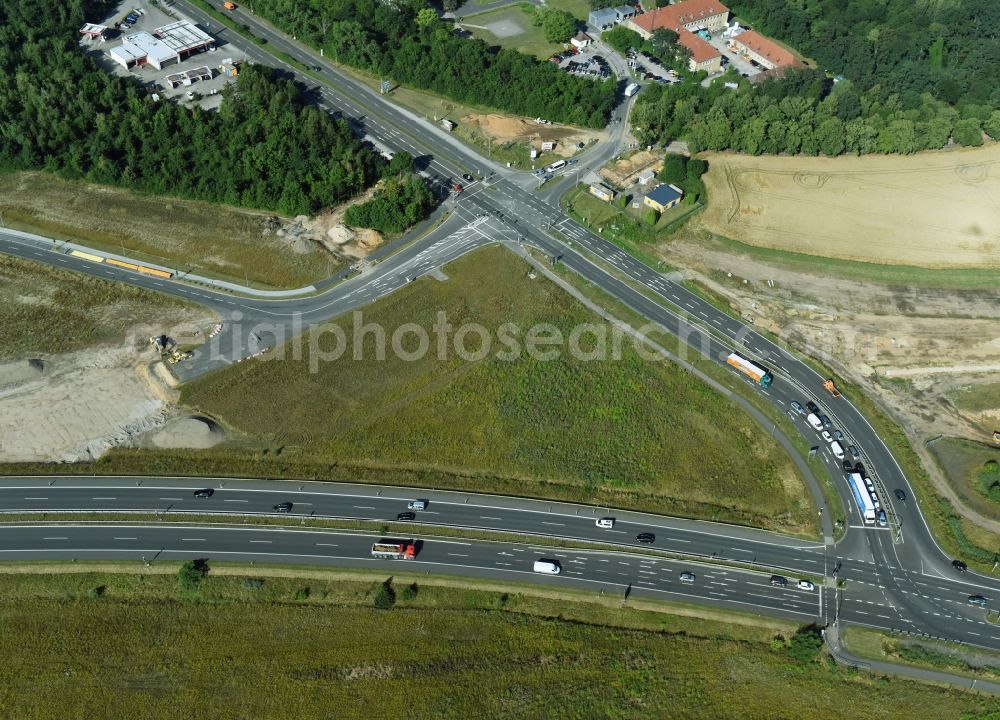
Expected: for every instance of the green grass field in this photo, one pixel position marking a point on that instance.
(213, 240)
(45, 310)
(580, 9)
(530, 41)
(624, 432)
(106, 645)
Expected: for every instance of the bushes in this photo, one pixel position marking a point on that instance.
(192, 573)
(805, 644)
(385, 596)
(402, 202)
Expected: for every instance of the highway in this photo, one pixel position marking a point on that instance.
(897, 577)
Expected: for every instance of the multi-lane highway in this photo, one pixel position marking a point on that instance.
(897, 577)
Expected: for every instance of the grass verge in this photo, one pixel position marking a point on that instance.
(276, 645)
(952, 657)
(530, 40)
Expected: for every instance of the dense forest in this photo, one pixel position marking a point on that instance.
(950, 49)
(265, 148)
(395, 40)
(806, 112)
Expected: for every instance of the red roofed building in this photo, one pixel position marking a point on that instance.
(685, 18)
(764, 51)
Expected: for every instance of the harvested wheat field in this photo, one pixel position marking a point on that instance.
(935, 210)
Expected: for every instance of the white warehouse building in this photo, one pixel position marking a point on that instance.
(167, 45)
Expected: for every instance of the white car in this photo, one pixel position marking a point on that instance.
(547, 567)
(606, 522)
(827, 436)
(806, 585)
(416, 505)
(687, 577)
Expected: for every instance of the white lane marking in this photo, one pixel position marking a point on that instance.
(193, 539)
(55, 538)
(125, 538)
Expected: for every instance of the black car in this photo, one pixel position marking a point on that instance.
(900, 495)
(204, 493)
(859, 468)
(847, 466)
(827, 423)
(959, 565)
(645, 537)
(406, 516)
(977, 600)
(467, 177)
(813, 407)
(284, 507)
(779, 581)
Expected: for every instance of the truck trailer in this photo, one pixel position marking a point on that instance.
(865, 505)
(394, 550)
(631, 90)
(756, 373)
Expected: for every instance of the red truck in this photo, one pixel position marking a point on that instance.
(394, 550)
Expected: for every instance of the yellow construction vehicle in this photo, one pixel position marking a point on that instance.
(830, 387)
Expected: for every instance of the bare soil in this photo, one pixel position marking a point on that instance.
(626, 171)
(505, 129)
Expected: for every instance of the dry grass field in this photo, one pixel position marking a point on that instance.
(126, 646)
(934, 210)
(213, 240)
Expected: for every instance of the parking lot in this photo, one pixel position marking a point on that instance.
(732, 58)
(190, 82)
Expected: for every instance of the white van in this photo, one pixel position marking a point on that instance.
(557, 165)
(606, 522)
(813, 420)
(838, 452)
(548, 567)
(417, 505)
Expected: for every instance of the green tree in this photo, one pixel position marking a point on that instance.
(805, 644)
(832, 136)
(968, 132)
(620, 38)
(674, 168)
(409, 592)
(385, 596)
(192, 573)
(426, 17)
(652, 217)
(696, 167)
(558, 26)
(664, 42)
(992, 125)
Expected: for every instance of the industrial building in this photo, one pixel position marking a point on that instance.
(607, 18)
(167, 45)
(686, 19)
(663, 197)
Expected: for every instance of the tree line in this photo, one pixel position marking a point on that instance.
(392, 40)
(805, 111)
(265, 147)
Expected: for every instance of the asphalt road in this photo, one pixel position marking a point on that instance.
(897, 578)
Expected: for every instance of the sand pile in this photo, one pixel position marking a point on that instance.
(189, 432)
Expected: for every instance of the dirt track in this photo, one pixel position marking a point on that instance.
(939, 209)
